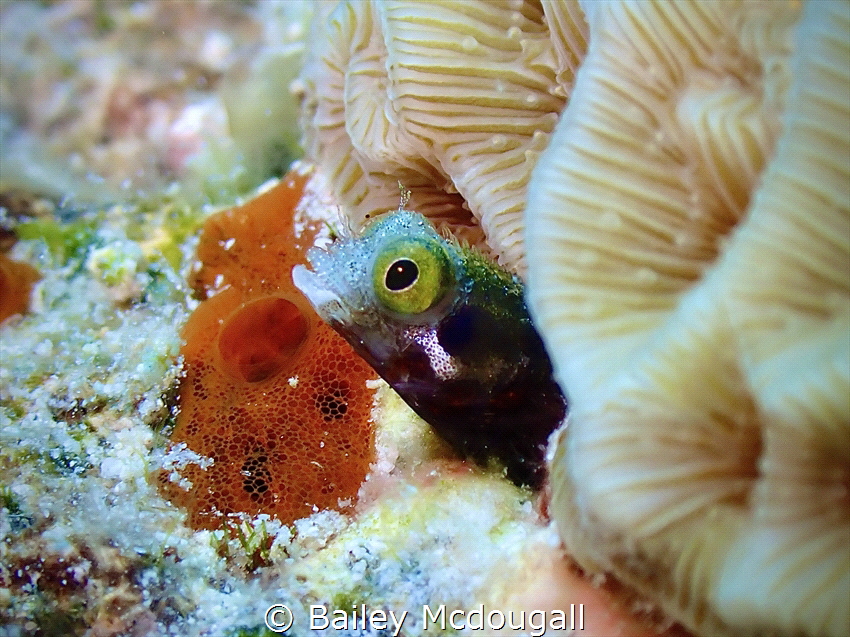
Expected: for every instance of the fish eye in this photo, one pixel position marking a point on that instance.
(401, 275)
(411, 275)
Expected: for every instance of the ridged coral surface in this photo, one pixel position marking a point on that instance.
(689, 266)
(272, 395)
(454, 99)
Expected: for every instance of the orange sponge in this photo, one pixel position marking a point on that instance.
(274, 396)
(16, 280)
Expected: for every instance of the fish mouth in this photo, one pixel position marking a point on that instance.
(327, 303)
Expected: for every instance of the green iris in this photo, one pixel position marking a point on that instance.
(411, 276)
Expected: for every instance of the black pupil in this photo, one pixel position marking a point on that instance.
(402, 274)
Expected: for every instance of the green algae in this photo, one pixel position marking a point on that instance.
(65, 241)
(254, 542)
(13, 508)
(252, 631)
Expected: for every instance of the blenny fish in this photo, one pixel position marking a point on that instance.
(449, 330)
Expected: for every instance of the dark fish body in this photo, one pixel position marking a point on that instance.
(449, 331)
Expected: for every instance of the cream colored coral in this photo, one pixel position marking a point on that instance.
(454, 99)
(689, 267)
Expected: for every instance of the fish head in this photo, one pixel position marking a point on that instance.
(398, 274)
